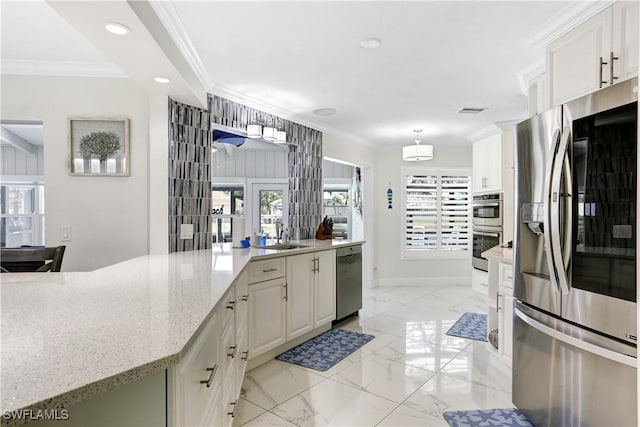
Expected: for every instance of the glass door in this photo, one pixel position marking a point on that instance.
(604, 159)
(270, 208)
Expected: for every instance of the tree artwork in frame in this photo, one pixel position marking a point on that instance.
(99, 146)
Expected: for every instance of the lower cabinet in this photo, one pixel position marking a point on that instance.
(203, 388)
(505, 311)
(286, 308)
(267, 315)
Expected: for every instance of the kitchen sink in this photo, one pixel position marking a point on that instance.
(284, 246)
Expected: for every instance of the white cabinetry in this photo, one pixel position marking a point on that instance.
(300, 278)
(325, 288)
(598, 53)
(285, 310)
(203, 388)
(267, 315)
(487, 164)
(505, 311)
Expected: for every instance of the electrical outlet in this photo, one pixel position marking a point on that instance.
(186, 231)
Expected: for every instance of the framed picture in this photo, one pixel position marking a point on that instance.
(99, 146)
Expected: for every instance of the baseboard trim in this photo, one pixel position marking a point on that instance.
(424, 281)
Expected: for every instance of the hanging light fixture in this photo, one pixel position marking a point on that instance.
(254, 131)
(417, 152)
(269, 133)
(281, 137)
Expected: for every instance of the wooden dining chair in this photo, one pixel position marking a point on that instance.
(31, 259)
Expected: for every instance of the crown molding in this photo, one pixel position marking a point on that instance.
(486, 131)
(566, 20)
(62, 68)
(168, 15)
(530, 74)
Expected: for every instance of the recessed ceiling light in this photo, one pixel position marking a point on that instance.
(161, 80)
(115, 28)
(370, 43)
(324, 111)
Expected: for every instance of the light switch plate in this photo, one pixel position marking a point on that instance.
(186, 231)
(65, 233)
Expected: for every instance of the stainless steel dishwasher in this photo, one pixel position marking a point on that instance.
(348, 281)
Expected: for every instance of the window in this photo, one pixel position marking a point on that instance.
(21, 215)
(226, 201)
(336, 206)
(436, 213)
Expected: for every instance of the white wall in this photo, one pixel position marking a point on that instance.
(109, 216)
(390, 269)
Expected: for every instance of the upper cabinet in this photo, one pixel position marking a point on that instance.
(487, 164)
(598, 53)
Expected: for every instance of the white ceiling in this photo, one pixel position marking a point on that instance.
(435, 57)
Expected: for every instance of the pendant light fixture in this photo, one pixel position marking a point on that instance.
(417, 152)
(281, 137)
(269, 133)
(254, 131)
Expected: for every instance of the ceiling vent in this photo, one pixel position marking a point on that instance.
(470, 110)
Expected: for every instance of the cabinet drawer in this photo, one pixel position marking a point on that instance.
(198, 378)
(229, 352)
(268, 269)
(228, 307)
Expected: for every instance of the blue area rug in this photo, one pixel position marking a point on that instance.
(487, 418)
(324, 351)
(470, 325)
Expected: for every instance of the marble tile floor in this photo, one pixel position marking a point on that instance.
(408, 375)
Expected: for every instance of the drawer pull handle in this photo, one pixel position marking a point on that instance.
(211, 375)
(233, 413)
(233, 349)
(269, 270)
(245, 298)
(231, 305)
(245, 355)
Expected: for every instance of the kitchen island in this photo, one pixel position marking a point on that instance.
(69, 336)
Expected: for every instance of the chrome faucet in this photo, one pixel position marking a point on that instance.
(278, 230)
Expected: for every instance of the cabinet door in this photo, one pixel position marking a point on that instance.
(325, 288)
(267, 316)
(300, 276)
(493, 163)
(625, 40)
(573, 60)
(478, 168)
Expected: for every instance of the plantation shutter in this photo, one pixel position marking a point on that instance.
(455, 198)
(421, 212)
(437, 211)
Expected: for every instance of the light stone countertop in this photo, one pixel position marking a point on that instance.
(500, 254)
(68, 336)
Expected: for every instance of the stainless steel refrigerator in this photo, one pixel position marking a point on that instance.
(574, 331)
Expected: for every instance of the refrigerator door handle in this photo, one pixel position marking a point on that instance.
(568, 214)
(576, 342)
(548, 224)
(556, 203)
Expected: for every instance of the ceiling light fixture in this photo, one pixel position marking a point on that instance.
(115, 28)
(370, 43)
(254, 131)
(417, 152)
(269, 133)
(281, 137)
(162, 80)
(324, 111)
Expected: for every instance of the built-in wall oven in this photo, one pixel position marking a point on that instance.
(487, 227)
